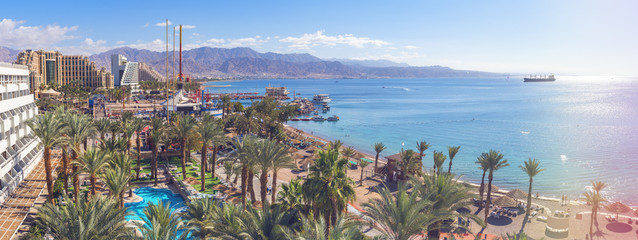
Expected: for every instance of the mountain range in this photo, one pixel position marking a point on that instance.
(248, 63)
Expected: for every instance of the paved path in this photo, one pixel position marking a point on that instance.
(32, 191)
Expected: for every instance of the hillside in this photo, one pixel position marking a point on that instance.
(248, 63)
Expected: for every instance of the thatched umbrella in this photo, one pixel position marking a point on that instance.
(219, 187)
(296, 141)
(517, 193)
(305, 162)
(292, 150)
(618, 208)
(312, 148)
(504, 201)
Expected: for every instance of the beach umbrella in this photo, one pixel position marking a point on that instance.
(618, 208)
(296, 141)
(517, 193)
(219, 187)
(292, 150)
(504, 201)
(312, 148)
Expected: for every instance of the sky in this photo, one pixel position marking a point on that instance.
(575, 37)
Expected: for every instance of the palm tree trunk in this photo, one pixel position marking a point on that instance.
(250, 183)
(76, 179)
(489, 194)
(183, 145)
(449, 170)
(203, 166)
(214, 162)
(591, 223)
(482, 187)
(139, 155)
(65, 167)
(154, 163)
(376, 161)
(93, 179)
(361, 180)
(529, 197)
(47, 169)
(244, 177)
(102, 136)
(274, 185)
(263, 180)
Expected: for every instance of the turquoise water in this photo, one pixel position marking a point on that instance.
(580, 128)
(152, 195)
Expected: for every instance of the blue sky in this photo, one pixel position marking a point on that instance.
(565, 37)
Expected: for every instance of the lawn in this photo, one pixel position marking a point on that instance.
(195, 173)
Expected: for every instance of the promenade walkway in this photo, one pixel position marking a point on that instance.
(32, 191)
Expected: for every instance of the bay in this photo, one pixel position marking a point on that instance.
(582, 129)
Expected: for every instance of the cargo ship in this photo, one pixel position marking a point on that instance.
(535, 78)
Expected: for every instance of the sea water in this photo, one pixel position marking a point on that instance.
(581, 129)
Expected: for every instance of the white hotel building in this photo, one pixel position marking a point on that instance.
(19, 150)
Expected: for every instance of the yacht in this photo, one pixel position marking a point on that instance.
(334, 118)
(321, 99)
(318, 118)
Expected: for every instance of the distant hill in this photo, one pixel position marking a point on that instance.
(8, 54)
(248, 63)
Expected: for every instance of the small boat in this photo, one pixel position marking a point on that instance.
(334, 118)
(325, 110)
(295, 119)
(321, 99)
(305, 119)
(318, 118)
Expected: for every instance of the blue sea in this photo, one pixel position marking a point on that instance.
(581, 128)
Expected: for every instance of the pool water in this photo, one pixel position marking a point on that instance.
(155, 196)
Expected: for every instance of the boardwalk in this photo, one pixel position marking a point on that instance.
(16, 208)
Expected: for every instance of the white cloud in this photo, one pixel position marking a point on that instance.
(120, 42)
(87, 47)
(14, 34)
(155, 45)
(188, 26)
(163, 24)
(309, 40)
(410, 47)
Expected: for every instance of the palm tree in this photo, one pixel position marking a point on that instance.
(155, 136)
(409, 163)
(422, 147)
(378, 148)
(92, 162)
(291, 197)
(242, 149)
(401, 217)
(163, 223)
(113, 145)
(348, 152)
(200, 216)
(495, 162)
(439, 159)
(452, 151)
(483, 165)
(102, 126)
(363, 164)
(532, 167)
(345, 228)
(208, 130)
(335, 145)
(595, 199)
(94, 218)
(328, 187)
(281, 160)
(119, 175)
(47, 128)
(129, 130)
(597, 186)
(268, 153)
(137, 126)
(447, 195)
(116, 181)
(182, 128)
(229, 169)
(269, 223)
(78, 129)
(115, 128)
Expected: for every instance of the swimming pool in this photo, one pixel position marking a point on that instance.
(154, 195)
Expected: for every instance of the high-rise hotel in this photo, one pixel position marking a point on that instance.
(49, 67)
(19, 150)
